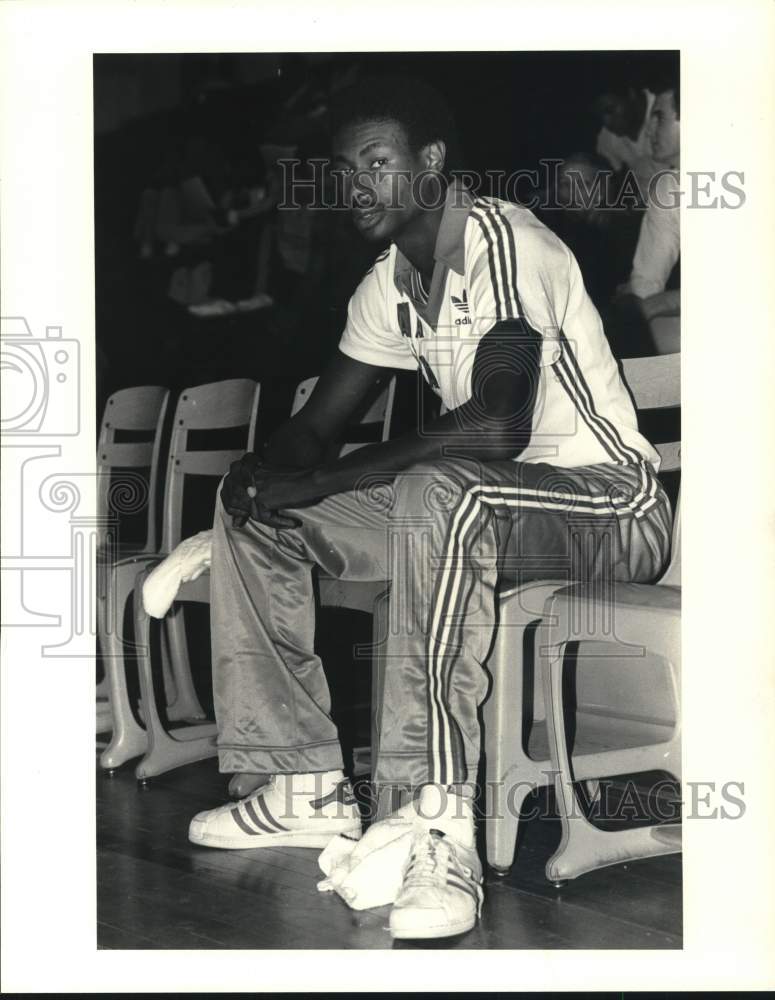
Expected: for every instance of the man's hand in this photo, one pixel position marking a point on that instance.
(276, 488)
(239, 494)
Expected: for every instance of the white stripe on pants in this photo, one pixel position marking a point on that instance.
(441, 533)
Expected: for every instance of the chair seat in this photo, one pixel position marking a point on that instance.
(124, 549)
(599, 733)
(197, 590)
(131, 558)
(668, 834)
(626, 594)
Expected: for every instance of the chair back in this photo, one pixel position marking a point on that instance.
(371, 423)
(214, 425)
(655, 384)
(130, 439)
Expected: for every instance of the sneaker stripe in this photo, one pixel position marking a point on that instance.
(262, 827)
(457, 877)
(235, 815)
(268, 816)
(463, 887)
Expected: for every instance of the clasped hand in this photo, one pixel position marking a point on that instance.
(255, 490)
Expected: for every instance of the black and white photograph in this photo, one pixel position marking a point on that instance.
(387, 559)
(449, 429)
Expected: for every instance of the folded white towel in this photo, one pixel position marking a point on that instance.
(369, 872)
(186, 562)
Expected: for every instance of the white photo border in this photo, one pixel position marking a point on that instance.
(46, 209)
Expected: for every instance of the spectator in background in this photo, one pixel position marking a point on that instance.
(602, 239)
(658, 248)
(653, 289)
(209, 215)
(624, 138)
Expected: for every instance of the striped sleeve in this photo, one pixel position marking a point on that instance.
(516, 271)
(371, 335)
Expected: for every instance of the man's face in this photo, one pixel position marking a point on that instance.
(665, 130)
(378, 167)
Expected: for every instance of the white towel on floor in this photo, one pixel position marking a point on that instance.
(369, 872)
(186, 562)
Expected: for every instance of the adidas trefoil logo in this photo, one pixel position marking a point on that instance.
(462, 305)
(343, 793)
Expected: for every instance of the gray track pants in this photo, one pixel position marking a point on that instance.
(443, 534)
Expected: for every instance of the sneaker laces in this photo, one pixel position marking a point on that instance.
(428, 863)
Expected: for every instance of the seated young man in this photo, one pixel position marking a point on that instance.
(538, 463)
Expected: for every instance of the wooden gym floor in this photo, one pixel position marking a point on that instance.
(158, 891)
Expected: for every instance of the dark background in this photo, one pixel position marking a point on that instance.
(512, 109)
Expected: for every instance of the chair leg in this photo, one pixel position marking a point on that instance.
(567, 804)
(104, 721)
(589, 849)
(170, 691)
(103, 687)
(186, 703)
(166, 751)
(504, 805)
(502, 717)
(510, 774)
(583, 847)
(104, 718)
(592, 786)
(128, 739)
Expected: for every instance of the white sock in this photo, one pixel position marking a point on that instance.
(313, 785)
(438, 808)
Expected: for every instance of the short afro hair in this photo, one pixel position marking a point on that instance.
(414, 104)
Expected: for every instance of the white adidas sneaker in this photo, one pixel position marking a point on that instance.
(293, 810)
(441, 893)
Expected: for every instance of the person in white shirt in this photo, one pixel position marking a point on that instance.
(537, 466)
(659, 244)
(624, 139)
